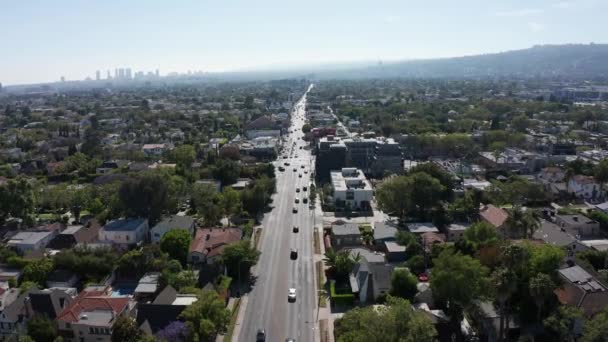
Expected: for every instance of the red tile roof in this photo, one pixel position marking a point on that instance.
(493, 215)
(211, 242)
(93, 300)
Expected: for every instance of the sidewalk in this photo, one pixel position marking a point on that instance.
(323, 313)
(231, 301)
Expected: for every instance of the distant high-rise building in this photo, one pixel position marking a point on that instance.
(0, 87)
(157, 73)
(128, 73)
(97, 75)
(121, 73)
(62, 78)
(109, 75)
(116, 73)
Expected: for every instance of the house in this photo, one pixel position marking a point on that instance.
(455, 231)
(214, 184)
(552, 234)
(7, 273)
(12, 313)
(209, 243)
(73, 235)
(50, 302)
(394, 251)
(422, 227)
(262, 127)
(172, 222)
(551, 174)
(124, 231)
(147, 286)
(495, 216)
(384, 232)
(345, 234)
(31, 241)
(156, 149)
(429, 239)
(584, 187)
(91, 316)
(580, 226)
(371, 276)
(62, 278)
(351, 188)
(582, 290)
(488, 319)
(165, 309)
(600, 245)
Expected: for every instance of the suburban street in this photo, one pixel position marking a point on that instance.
(267, 304)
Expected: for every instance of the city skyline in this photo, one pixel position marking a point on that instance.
(238, 35)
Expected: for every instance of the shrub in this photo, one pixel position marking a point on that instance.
(340, 298)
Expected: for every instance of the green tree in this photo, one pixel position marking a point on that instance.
(230, 202)
(239, 257)
(396, 322)
(341, 263)
(145, 196)
(125, 329)
(205, 199)
(403, 284)
(457, 280)
(596, 329)
(392, 196)
(520, 123)
(184, 156)
(601, 173)
(41, 328)
(504, 284)
(416, 264)
(541, 289)
(522, 223)
(17, 200)
(38, 271)
(206, 317)
(226, 171)
(481, 234)
(545, 259)
(445, 178)
(560, 326)
(176, 243)
(306, 128)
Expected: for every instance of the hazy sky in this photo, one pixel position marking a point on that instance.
(43, 40)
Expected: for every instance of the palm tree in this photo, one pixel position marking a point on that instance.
(541, 287)
(330, 257)
(522, 222)
(505, 284)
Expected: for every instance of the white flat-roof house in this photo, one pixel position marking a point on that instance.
(351, 188)
(30, 241)
(124, 231)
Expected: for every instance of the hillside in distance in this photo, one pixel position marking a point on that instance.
(572, 61)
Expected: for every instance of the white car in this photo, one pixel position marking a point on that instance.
(291, 296)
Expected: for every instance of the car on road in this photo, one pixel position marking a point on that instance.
(260, 336)
(297, 189)
(300, 175)
(306, 171)
(294, 254)
(295, 170)
(302, 166)
(286, 163)
(297, 200)
(304, 200)
(295, 210)
(281, 168)
(296, 229)
(300, 147)
(291, 295)
(304, 188)
(290, 340)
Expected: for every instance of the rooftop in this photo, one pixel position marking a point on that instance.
(422, 227)
(123, 225)
(28, 238)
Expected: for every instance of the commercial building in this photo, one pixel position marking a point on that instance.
(351, 188)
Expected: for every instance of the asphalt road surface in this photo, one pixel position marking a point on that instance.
(267, 306)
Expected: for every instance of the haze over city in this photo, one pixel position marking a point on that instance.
(46, 40)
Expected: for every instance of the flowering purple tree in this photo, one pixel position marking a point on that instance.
(175, 331)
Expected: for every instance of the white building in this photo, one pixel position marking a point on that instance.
(156, 149)
(124, 231)
(351, 188)
(584, 187)
(30, 241)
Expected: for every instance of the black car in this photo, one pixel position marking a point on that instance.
(296, 229)
(261, 336)
(294, 254)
